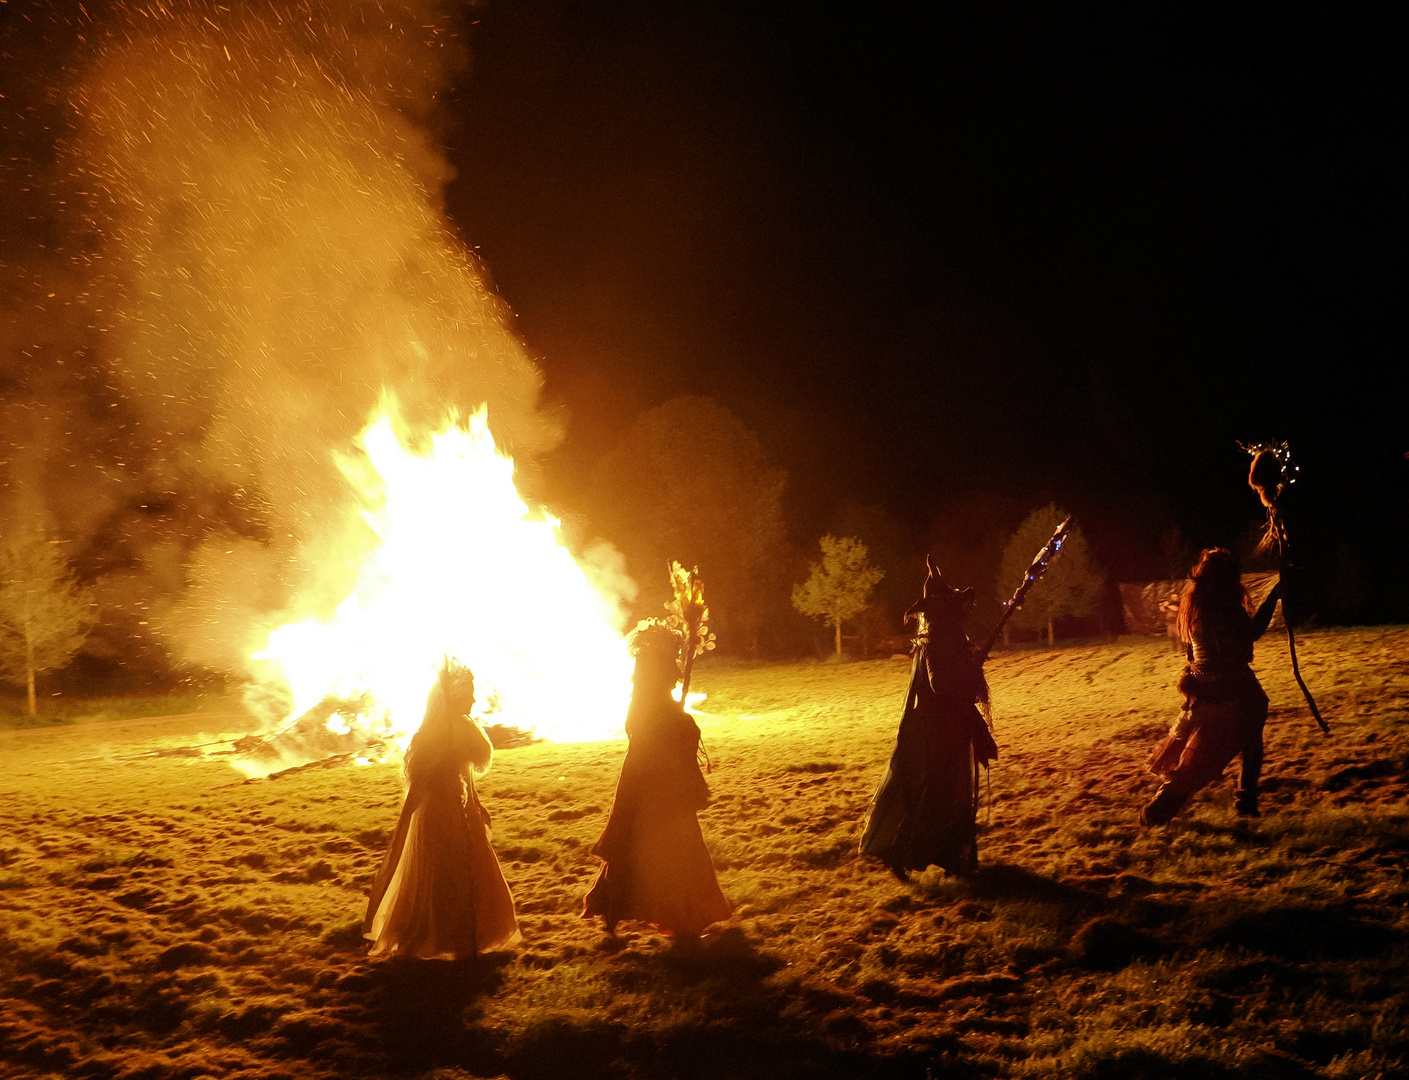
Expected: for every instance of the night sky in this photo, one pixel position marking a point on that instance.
(949, 266)
(939, 257)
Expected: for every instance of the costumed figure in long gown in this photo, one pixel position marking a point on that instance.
(656, 868)
(440, 894)
(924, 811)
(1224, 705)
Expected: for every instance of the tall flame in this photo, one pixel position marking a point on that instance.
(462, 566)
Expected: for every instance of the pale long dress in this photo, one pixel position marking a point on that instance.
(440, 894)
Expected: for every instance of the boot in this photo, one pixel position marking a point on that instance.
(1163, 807)
(1245, 803)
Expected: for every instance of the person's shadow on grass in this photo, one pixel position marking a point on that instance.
(419, 1007)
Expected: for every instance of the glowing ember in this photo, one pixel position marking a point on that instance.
(462, 566)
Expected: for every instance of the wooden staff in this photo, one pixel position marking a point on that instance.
(691, 610)
(1271, 473)
(1035, 570)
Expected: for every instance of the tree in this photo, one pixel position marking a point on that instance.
(44, 614)
(889, 547)
(1072, 583)
(839, 587)
(690, 483)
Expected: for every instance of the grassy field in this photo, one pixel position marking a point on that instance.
(159, 918)
(58, 709)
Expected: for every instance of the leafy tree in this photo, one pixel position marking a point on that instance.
(44, 614)
(839, 587)
(1072, 583)
(889, 547)
(689, 482)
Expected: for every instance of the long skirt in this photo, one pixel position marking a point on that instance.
(440, 893)
(923, 811)
(656, 868)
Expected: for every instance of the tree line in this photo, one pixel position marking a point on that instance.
(688, 482)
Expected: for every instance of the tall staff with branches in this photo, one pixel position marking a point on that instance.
(688, 615)
(1272, 472)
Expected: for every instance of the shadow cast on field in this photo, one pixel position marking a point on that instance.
(1143, 1064)
(714, 1013)
(718, 1016)
(1005, 881)
(728, 961)
(418, 1006)
(1303, 932)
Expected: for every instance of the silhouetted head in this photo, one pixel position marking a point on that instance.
(656, 648)
(445, 736)
(1215, 587)
(941, 604)
(457, 683)
(1216, 566)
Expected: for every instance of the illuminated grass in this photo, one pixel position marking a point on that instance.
(157, 914)
(14, 713)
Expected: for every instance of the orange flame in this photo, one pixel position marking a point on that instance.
(461, 566)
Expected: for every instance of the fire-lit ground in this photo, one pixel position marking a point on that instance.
(162, 919)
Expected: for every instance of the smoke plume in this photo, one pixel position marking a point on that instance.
(244, 229)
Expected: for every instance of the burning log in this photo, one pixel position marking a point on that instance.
(335, 728)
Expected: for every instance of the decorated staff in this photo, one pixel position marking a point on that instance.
(688, 615)
(1271, 474)
(1035, 570)
(924, 811)
(655, 866)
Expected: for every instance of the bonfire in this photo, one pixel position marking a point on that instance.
(452, 561)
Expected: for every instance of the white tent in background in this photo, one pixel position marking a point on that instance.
(1149, 607)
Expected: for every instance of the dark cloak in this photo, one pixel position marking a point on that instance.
(924, 811)
(656, 868)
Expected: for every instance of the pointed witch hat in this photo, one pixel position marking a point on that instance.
(940, 601)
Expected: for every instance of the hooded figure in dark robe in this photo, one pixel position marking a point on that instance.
(924, 811)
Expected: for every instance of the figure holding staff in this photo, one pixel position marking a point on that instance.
(1225, 707)
(655, 866)
(924, 811)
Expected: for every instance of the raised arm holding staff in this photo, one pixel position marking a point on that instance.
(924, 811)
(1224, 705)
(655, 866)
(1271, 474)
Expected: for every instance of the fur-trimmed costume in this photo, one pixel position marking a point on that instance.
(440, 893)
(1224, 711)
(925, 807)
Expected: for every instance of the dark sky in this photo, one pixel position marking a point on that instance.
(1058, 252)
(949, 265)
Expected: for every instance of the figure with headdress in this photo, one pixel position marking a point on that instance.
(440, 894)
(924, 811)
(655, 866)
(1224, 705)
